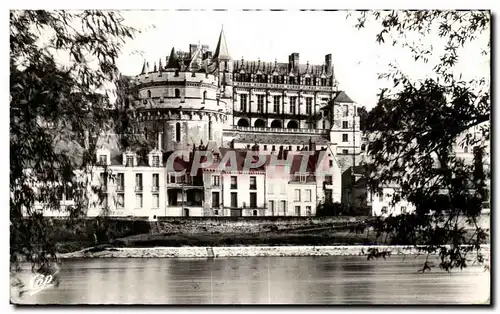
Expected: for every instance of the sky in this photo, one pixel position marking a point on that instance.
(357, 57)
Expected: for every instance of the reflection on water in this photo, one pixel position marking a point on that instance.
(262, 280)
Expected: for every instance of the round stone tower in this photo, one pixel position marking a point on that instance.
(179, 103)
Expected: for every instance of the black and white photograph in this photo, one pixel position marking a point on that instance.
(250, 157)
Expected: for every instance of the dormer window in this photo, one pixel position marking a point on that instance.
(156, 161)
(103, 160)
(275, 79)
(129, 161)
(323, 82)
(308, 81)
(216, 157)
(291, 80)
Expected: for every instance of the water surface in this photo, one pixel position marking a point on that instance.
(262, 280)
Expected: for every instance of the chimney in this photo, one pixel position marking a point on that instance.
(293, 61)
(328, 63)
(192, 50)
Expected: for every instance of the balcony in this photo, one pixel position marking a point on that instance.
(275, 115)
(286, 86)
(155, 189)
(138, 188)
(278, 130)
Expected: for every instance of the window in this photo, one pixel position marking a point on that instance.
(215, 180)
(297, 210)
(260, 103)
(276, 104)
(289, 147)
(283, 206)
(149, 94)
(323, 82)
(104, 180)
(308, 195)
(297, 195)
(298, 147)
(308, 81)
(259, 78)
(172, 179)
(253, 183)
(403, 209)
(309, 105)
(156, 161)
(215, 200)
(265, 147)
(308, 210)
(234, 199)
(324, 124)
(330, 162)
(234, 182)
(243, 102)
(120, 182)
(293, 103)
(138, 181)
(345, 151)
(291, 80)
(177, 93)
(204, 96)
(275, 79)
(103, 159)
(384, 210)
(156, 182)
(254, 213)
(129, 161)
(156, 201)
(120, 200)
(216, 157)
(177, 132)
(345, 124)
(345, 110)
(210, 131)
(271, 207)
(216, 212)
(253, 200)
(138, 200)
(345, 137)
(328, 179)
(274, 148)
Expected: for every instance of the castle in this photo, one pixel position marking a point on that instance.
(236, 138)
(204, 101)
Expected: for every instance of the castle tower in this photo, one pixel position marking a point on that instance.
(224, 64)
(179, 102)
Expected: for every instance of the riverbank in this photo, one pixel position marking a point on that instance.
(246, 251)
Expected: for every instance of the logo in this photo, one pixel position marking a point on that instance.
(41, 282)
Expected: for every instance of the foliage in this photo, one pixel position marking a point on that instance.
(416, 127)
(61, 64)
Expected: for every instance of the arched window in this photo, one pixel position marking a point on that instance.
(204, 96)
(177, 93)
(292, 125)
(210, 131)
(243, 122)
(276, 124)
(186, 212)
(259, 123)
(177, 132)
(149, 94)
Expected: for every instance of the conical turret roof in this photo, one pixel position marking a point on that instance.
(221, 52)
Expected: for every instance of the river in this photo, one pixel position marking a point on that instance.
(262, 280)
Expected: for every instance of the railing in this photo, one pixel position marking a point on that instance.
(138, 188)
(155, 188)
(278, 130)
(286, 86)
